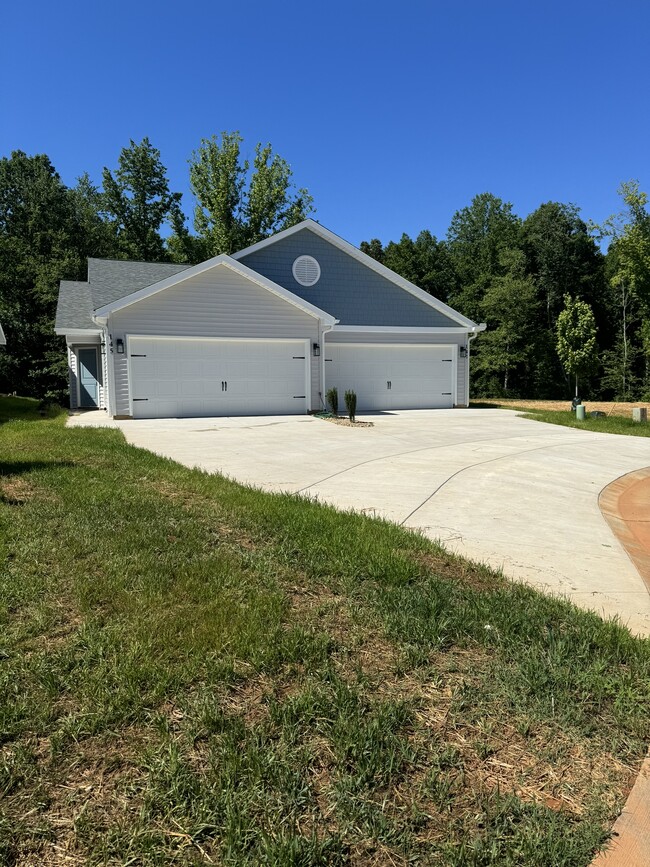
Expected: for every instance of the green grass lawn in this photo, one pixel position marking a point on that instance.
(611, 425)
(194, 672)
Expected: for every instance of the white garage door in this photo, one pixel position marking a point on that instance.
(185, 378)
(392, 376)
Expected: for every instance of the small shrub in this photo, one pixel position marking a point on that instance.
(351, 404)
(332, 398)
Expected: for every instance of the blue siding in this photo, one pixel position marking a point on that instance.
(349, 290)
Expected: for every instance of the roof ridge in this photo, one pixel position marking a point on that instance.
(135, 261)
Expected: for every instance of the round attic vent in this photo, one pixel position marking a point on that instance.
(306, 270)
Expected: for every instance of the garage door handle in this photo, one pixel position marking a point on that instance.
(224, 385)
(140, 398)
(297, 357)
(446, 393)
(299, 397)
(389, 384)
(136, 355)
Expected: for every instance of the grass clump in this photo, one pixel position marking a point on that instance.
(192, 671)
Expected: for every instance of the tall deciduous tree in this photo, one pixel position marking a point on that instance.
(238, 205)
(510, 308)
(561, 258)
(42, 240)
(477, 237)
(137, 200)
(628, 260)
(576, 337)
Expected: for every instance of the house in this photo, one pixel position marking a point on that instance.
(265, 331)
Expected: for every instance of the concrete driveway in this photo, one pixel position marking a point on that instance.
(497, 488)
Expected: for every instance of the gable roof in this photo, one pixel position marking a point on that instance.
(366, 260)
(111, 279)
(222, 260)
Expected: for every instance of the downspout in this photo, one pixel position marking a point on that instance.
(324, 330)
(472, 335)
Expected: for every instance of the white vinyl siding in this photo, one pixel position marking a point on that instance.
(73, 372)
(217, 303)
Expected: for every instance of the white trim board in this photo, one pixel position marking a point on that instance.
(397, 329)
(78, 332)
(218, 261)
(353, 251)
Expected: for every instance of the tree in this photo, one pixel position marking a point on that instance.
(97, 233)
(373, 248)
(477, 236)
(576, 337)
(510, 309)
(561, 257)
(628, 262)
(236, 207)
(137, 201)
(43, 239)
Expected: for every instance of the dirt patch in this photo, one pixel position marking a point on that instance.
(457, 570)
(15, 491)
(345, 422)
(608, 407)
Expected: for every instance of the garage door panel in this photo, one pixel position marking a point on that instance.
(176, 378)
(392, 376)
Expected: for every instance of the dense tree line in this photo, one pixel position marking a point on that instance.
(536, 282)
(556, 306)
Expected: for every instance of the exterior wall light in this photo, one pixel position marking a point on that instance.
(119, 345)
(316, 350)
(463, 351)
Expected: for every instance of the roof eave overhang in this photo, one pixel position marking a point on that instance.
(74, 332)
(218, 261)
(403, 329)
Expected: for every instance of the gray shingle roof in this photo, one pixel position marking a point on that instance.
(108, 280)
(111, 279)
(74, 307)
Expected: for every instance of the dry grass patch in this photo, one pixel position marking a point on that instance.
(608, 407)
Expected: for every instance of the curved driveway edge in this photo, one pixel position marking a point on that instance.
(630, 843)
(625, 503)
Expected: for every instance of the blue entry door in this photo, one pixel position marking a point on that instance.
(88, 377)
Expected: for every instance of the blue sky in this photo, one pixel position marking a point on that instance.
(392, 115)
